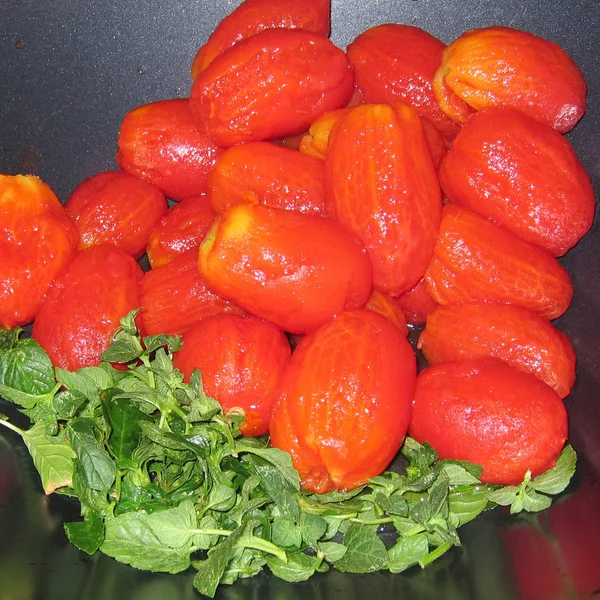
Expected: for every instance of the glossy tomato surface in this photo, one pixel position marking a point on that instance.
(70, 74)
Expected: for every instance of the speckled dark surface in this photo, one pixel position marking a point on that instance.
(69, 71)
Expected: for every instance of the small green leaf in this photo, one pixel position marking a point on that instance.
(298, 567)
(221, 498)
(467, 503)
(555, 480)
(52, 457)
(9, 338)
(461, 473)
(278, 458)
(285, 533)
(67, 402)
(88, 534)
(332, 551)
(98, 468)
(408, 551)
(313, 528)
(123, 350)
(365, 551)
(531, 501)
(211, 570)
(154, 342)
(27, 368)
(503, 496)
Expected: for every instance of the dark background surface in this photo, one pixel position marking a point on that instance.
(69, 72)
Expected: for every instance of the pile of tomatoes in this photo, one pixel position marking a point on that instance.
(323, 200)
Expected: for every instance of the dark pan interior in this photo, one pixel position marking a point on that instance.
(69, 71)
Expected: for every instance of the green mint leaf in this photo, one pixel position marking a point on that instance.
(365, 551)
(277, 486)
(88, 534)
(124, 419)
(205, 537)
(312, 528)
(101, 377)
(78, 382)
(9, 338)
(154, 342)
(438, 496)
(279, 459)
(211, 570)
(52, 456)
(298, 567)
(335, 497)
(123, 350)
(461, 472)
(27, 368)
(503, 496)
(555, 480)
(127, 323)
(531, 501)
(98, 468)
(159, 541)
(466, 503)
(408, 551)
(285, 533)
(222, 498)
(67, 403)
(420, 456)
(332, 551)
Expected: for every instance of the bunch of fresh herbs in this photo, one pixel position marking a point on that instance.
(166, 483)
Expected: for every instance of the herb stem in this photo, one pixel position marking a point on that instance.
(12, 427)
(381, 521)
(254, 542)
(435, 554)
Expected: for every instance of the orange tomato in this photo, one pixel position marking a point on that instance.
(37, 241)
(295, 270)
(345, 401)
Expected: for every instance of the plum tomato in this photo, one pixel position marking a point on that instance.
(523, 175)
(381, 183)
(37, 241)
(254, 16)
(183, 227)
(175, 296)
(272, 84)
(316, 141)
(241, 359)
(295, 270)
(160, 144)
(398, 62)
(269, 174)
(491, 414)
(344, 402)
(503, 66)
(116, 208)
(476, 260)
(509, 332)
(85, 304)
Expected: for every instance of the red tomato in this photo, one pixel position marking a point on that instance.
(85, 304)
(381, 184)
(272, 84)
(475, 260)
(241, 360)
(523, 175)
(269, 174)
(116, 208)
(398, 62)
(175, 296)
(160, 144)
(417, 304)
(37, 241)
(345, 401)
(512, 333)
(253, 16)
(491, 414)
